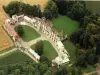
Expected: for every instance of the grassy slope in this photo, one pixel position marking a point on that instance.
(14, 57)
(49, 51)
(29, 34)
(65, 23)
(71, 50)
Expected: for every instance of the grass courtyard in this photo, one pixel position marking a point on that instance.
(49, 51)
(14, 57)
(29, 33)
(63, 22)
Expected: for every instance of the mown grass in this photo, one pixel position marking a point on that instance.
(29, 33)
(49, 51)
(14, 57)
(63, 22)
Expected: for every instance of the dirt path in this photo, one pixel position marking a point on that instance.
(12, 50)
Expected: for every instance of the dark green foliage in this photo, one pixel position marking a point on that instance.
(75, 37)
(86, 57)
(19, 30)
(74, 9)
(81, 61)
(84, 40)
(45, 60)
(62, 71)
(50, 10)
(98, 48)
(78, 10)
(12, 8)
(39, 47)
(26, 68)
(64, 6)
(18, 8)
(47, 13)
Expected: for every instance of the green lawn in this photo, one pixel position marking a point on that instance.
(68, 25)
(49, 51)
(29, 33)
(14, 57)
(89, 69)
(71, 50)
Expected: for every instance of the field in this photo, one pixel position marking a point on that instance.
(5, 41)
(29, 33)
(14, 57)
(49, 51)
(68, 25)
(94, 6)
(3, 16)
(42, 3)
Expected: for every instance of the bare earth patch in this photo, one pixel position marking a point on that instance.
(5, 41)
(3, 15)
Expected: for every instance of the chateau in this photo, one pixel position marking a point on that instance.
(44, 27)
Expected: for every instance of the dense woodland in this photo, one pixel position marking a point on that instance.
(42, 68)
(86, 39)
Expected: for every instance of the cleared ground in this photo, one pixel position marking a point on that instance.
(3, 16)
(49, 51)
(63, 22)
(42, 3)
(5, 41)
(14, 57)
(29, 33)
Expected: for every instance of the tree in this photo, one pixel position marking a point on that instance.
(39, 47)
(43, 68)
(2, 72)
(92, 29)
(18, 8)
(30, 73)
(75, 37)
(98, 48)
(73, 71)
(45, 60)
(81, 60)
(64, 6)
(78, 10)
(19, 30)
(48, 72)
(84, 40)
(62, 71)
(37, 72)
(90, 59)
(12, 8)
(51, 9)
(79, 71)
(17, 72)
(47, 13)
